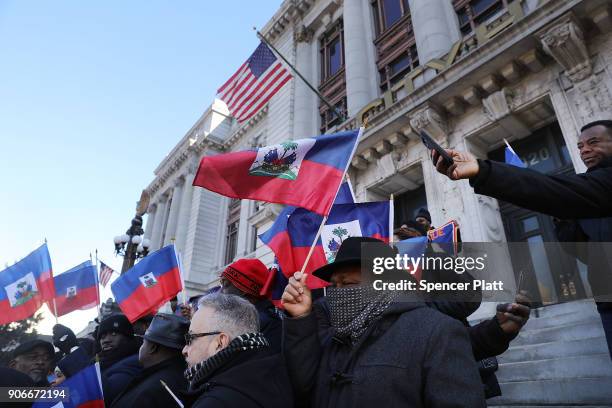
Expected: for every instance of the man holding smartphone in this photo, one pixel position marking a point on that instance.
(585, 195)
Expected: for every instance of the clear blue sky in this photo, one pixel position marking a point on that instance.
(92, 97)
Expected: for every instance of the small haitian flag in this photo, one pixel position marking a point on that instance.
(82, 390)
(278, 239)
(510, 156)
(150, 283)
(415, 249)
(303, 173)
(447, 236)
(25, 286)
(76, 289)
(345, 220)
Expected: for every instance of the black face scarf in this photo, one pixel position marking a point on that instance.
(354, 309)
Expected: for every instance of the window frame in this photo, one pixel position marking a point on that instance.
(332, 86)
(466, 6)
(233, 226)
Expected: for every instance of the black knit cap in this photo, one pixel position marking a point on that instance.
(117, 323)
(30, 345)
(423, 213)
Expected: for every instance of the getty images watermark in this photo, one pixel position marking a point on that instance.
(444, 266)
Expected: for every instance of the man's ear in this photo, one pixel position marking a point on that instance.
(223, 341)
(153, 348)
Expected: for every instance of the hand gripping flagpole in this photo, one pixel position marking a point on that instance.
(348, 163)
(308, 84)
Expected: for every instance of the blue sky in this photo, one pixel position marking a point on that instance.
(92, 97)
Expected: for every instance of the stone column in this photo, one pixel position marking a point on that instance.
(158, 224)
(435, 26)
(151, 213)
(305, 100)
(361, 74)
(175, 205)
(185, 211)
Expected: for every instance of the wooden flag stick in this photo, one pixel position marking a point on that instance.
(55, 311)
(314, 244)
(97, 272)
(391, 220)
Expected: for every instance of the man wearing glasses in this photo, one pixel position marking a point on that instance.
(229, 360)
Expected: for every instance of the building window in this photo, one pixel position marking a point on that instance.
(231, 237)
(387, 13)
(395, 44)
(472, 13)
(407, 204)
(333, 82)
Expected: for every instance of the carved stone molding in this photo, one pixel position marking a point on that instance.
(565, 42)
(359, 163)
(592, 99)
(430, 119)
(303, 34)
(498, 107)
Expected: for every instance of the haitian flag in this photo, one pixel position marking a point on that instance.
(275, 285)
(76, 289)
(510, 156)
(414, 248)
(279, 241)
(447, 236)
(303, 173)
(345, 220)
(84, 390)
(25, 286)
(150, 283)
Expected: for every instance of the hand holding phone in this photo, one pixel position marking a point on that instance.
(431, 144)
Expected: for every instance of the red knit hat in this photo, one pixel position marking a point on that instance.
(248, 275)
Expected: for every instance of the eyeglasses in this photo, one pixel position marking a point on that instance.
(190, 336)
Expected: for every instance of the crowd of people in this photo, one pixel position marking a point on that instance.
(348, 345)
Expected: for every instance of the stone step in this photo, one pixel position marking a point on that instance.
(555, 393)
(576, 306)
(590, 366)
(545, 351)
(542, 322)
(573, 331)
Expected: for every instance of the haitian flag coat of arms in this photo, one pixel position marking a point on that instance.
(303, 173)
(25, 286)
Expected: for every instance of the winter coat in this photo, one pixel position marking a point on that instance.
(270, 324)
(597, 257)
(585, 195)
(412, 356)
(251, 379)
(146, 390)
(116, 377)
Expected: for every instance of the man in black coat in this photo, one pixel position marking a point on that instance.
(246, 278)
(230, 363)
(369, 349)
(118, 355)
(161, 359)
(585, 195)
(595, 146)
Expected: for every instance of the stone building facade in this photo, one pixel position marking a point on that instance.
(471, 72)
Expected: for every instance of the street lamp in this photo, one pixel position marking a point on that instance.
(132, 245)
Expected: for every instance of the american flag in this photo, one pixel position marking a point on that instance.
(105, 273)
(255, 82)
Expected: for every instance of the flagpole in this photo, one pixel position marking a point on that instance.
(312, 88)
(391, 220)
(97, 272)
(55, 311)
(348, 163)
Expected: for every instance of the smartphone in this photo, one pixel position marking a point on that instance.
(430, 143)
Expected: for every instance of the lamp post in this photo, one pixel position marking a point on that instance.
(132, 245)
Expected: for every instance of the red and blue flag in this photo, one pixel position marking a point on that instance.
(278, 239)
(150, 283)
(447, 236)
(76, 289)
(25, 286)
(414, 249)
(304, 173)
(84, 390)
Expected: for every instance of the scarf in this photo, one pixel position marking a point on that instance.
(198, 373)
(353, 309)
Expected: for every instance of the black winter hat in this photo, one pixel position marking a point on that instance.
(423, 213)
(63, 334)
(117, 323)
(30, 345)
